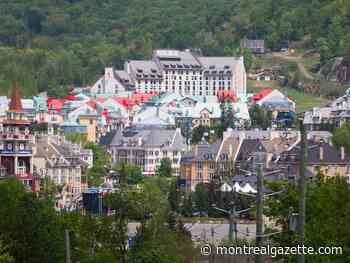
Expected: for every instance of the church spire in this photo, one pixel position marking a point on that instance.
(16, 103)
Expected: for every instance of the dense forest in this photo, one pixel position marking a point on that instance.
(49, 45)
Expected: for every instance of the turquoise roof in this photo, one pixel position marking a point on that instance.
(40, 103)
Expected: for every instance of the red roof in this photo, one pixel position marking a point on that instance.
(262, 94)
(101, 99)
(70, 97)
(16, 103)
(55, 104)
(105, 113)
(226, 94)
(92, 104)
(137, 98)
(126, 102)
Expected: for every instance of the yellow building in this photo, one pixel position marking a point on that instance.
(91, 122)
(209, 161)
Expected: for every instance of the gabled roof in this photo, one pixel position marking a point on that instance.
(262, 94)
(107, 138)
(248, 147)
(55, 104)
(92, 104)
(331, 155)
(202, 152)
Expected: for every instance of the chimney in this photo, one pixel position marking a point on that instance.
(342, 153)
(140, 141)
(321, 153)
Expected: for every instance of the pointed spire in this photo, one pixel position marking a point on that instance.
(16, 103)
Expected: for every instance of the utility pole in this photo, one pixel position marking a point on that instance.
(67, 241)
(302, 190)
(232, 216)
(233, 224)
(212, 255)
(259, 205)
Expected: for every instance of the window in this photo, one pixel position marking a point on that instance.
(211, 176)
(348, 169)
(199, 176)
(199, 165)
(212, 165)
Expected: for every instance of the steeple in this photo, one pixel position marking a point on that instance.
(16, 103)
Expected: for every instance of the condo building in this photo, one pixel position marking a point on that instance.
(187, 73)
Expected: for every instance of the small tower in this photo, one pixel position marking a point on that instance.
(16, 143)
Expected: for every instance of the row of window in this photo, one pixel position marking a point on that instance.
(180, 72)
(199, 176)
(150, 153)
(199, 78)
(65, 179)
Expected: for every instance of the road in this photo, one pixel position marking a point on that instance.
(203, 231)
(296, 59)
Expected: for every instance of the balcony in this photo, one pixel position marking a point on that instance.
(16, 136)
(16, 151)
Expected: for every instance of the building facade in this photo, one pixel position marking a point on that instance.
(184, 72)
(321, 157)
(63, 163)
(16, 143)
(207, 162)
(145, 147)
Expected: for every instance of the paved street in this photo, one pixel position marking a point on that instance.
(203, 231)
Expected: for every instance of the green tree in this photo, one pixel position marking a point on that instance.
(101, 164)
(129, 173)
(201, 197)
(327, 216)
(341, 137)
(4, 255)
(248, 59)
(188, 208)
(29, 225)
(174, 196)
(261, 117)
(165, 168)
(155, 242)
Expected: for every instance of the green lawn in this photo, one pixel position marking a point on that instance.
(303, 101)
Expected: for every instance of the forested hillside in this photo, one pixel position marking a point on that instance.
(49, 44)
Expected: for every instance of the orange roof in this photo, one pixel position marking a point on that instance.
(16, 103)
